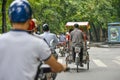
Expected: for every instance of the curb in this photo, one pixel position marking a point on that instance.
(102, 45)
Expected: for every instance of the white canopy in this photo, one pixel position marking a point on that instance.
(79, 23)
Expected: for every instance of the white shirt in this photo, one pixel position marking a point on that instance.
(49, 37)
(20, 53)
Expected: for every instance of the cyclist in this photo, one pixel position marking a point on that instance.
(21, 52)
(76, 37)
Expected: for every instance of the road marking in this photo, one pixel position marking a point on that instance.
(99, 63)
(118, 58)
(115, 61)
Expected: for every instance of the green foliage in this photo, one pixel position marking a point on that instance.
(57, 12)
(0, 14)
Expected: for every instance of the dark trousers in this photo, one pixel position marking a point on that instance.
(80, 54)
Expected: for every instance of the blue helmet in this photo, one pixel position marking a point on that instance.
(20, 11)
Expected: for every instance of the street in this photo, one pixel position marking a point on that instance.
(104, 65)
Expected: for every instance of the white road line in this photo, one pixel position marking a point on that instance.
(118, 58)
(115, 61)
(99, 63)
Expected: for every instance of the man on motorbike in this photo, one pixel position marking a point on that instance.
(76, 38)
(21, 52)
(52, 41)
(50, 38)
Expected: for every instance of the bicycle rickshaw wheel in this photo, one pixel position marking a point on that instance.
(77, 68)
(77, 63)
(87, 60)
(88, 66)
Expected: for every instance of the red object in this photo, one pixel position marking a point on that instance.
(67, 37)
(31, 25)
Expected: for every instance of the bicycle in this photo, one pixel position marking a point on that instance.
(85, 60)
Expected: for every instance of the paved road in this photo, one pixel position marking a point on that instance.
(104, 65)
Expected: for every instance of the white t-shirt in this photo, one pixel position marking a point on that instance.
(20, 53)
(49, 37)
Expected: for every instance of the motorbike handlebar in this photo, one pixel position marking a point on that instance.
(48, 69)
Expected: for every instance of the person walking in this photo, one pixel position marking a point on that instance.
(21, 52)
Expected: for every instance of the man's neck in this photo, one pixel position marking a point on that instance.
(19, 26)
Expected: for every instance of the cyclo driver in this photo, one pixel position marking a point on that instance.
(21, 52)
(77, 39)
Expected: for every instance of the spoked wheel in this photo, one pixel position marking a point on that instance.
(87, 60)
(88, 66)
(77, 63)
(67, 58)
(63, 53)
(54, 75)
(43, 77)
(77, 68)
(50, 76)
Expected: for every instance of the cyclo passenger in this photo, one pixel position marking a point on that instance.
(62, 39)
(76, 38)
(68, 40)
(21, 52)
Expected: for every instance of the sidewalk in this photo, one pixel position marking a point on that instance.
(104, 45)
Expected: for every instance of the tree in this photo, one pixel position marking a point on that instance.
(57, 12)
(4, 29)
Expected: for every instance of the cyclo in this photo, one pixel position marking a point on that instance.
(84, 26)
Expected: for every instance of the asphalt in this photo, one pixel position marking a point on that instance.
(105, 45)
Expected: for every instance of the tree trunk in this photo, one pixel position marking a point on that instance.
(95, 32)
(101, 34)
(100, 31)
(4, 28)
